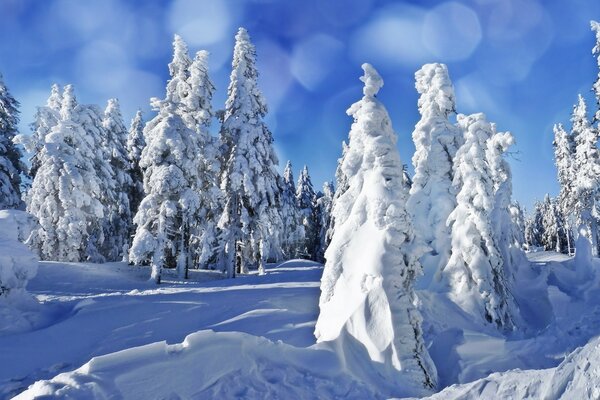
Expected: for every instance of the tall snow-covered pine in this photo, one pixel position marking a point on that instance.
(367, 303)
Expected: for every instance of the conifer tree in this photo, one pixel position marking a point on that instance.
(432, 196)
(564, 155)
(249, 181)
(169, 217)
(66, 191)
(306, 201)
(323, 212)
(11, 166)
(118, 214)
(380, 277)
(341, 185)
(45, 119)
(293, 229)
(596, 52)
(135, 145)
(586, 165)
(474, 273)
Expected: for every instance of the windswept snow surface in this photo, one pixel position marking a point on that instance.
(93, 319)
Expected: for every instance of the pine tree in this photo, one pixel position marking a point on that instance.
(196, 111)
(119, 217)
(306, 201)
(596, 52)
(323, 212)
(564, 155)
(474, 273)
(341, 185)
(293, 229)
(432, 196)
(11, 166)
(46, 118)
(381, 276)
(66, 191)
(518, 225)
(551, 223)
(135, 145)
(166, 216)
(502, 220)
(249, 222)
(534, 229)
(586, 165)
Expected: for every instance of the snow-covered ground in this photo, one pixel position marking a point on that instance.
(89, 312)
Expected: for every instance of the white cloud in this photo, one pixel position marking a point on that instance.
(201, 22)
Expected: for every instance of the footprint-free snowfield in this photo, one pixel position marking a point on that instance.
(252, 337)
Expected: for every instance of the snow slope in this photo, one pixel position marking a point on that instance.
(103, 313)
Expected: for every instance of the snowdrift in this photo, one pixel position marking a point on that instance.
(17, 266)
(577, 377)
(207, 365)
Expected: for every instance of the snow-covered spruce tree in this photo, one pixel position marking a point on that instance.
(501, 217)
(341, 185)
(534, 230)
(306, 201)
(596, 51)
(11, 166)
(249, 179)
(293, 230)
(367, 303)
(118, 214)
(518, 225)
(135, 145)
(586, 166)
(168, 213)
(196, 110)
(474, 273)
(65, 192)
(45, 119)
(323, 212)
(432, 197)
(564, 155)
(552, 225)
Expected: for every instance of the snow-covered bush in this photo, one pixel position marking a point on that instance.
(17, 263)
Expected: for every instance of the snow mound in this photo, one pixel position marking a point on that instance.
(17, 266)
(200, 367)
(577, 377)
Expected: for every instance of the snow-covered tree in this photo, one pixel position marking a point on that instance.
(168, 213)
(596, 52)
(135, 145)
(518, 225)
(341, 185)
(564, 155)
(45, 119)
(249, 222)
(506, 235)
(198, 101)
(293, 230)
(551, 225)
(118, 214)
(367, 297)
(432, 197)
(323, 212)
(534, 228)
(65, 192)
(586, 164)
(306, 201)
(11, 166)
(474, 273)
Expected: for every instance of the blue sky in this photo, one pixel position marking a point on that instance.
(522, 62)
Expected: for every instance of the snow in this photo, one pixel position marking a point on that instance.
(105, 312)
